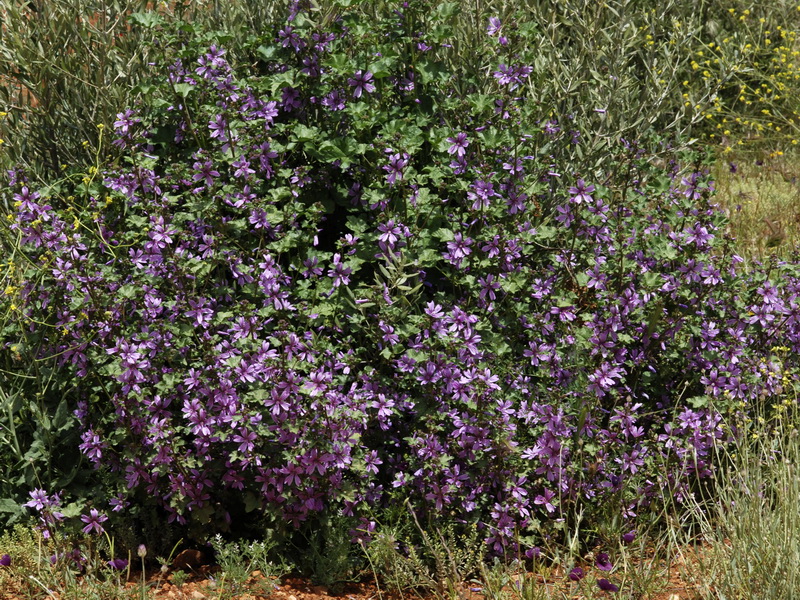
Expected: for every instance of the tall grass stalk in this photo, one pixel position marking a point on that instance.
(751, 523)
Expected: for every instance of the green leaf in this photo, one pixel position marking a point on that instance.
(446, 10)
(698, 401)
(545, 232)
(267, 52)
(61, 420)
(305, 134)
(183, 89)
(148, 20)
(127, 291)
(7, 505)
(251, 502)
(445, 235)
(341, 149)
(431, 71)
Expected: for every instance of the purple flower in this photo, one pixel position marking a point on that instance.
(217, 126)
(397, 162)
(546, 500)
(118, 503)
(603, 563)
(339, 272)
(580, 193)
(390, 233)
(334, 100)
(38, 500)
(576, 574)
(512, 76)
(118, 564)
(534, 552)
(481, 194)
(5, 560)
(629, 537)
(361, 82)
(459, 144)
(606, 585)
(93, 520)
(494, 26)
(458, 249)
(243, 169)
(205, 172)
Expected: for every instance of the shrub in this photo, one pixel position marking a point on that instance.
(345, 276)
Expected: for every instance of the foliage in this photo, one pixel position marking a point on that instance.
(343, 277)
(342, 263)
(238, 560)
(749, 52)
(68, 65)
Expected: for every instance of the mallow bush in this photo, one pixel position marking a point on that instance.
(332, 280)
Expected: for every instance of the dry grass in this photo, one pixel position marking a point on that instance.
(762, 199)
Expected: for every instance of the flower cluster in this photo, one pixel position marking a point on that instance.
(288, 299)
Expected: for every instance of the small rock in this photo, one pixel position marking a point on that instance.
(198, 595)
(292, 597)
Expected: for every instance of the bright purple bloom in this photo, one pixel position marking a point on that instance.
(362, 83)
(334, 100)
(39, 499)
(339, 272)
(217, 126)
(93, 521)
(5, 560)
(125, 121)
(481, 194)
(459, 144)
(242, 166)
(390, 233)
(512, 76)
(205, 172)
(546, 500)
(458, 249)
(581, 192)
(397, 162)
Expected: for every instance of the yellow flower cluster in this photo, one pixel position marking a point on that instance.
(751, 78)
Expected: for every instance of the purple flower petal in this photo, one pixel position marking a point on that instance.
(606, 585)
(603, 563)
(5, 560)
(118, 564)
(576, 574)
(629, 537)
